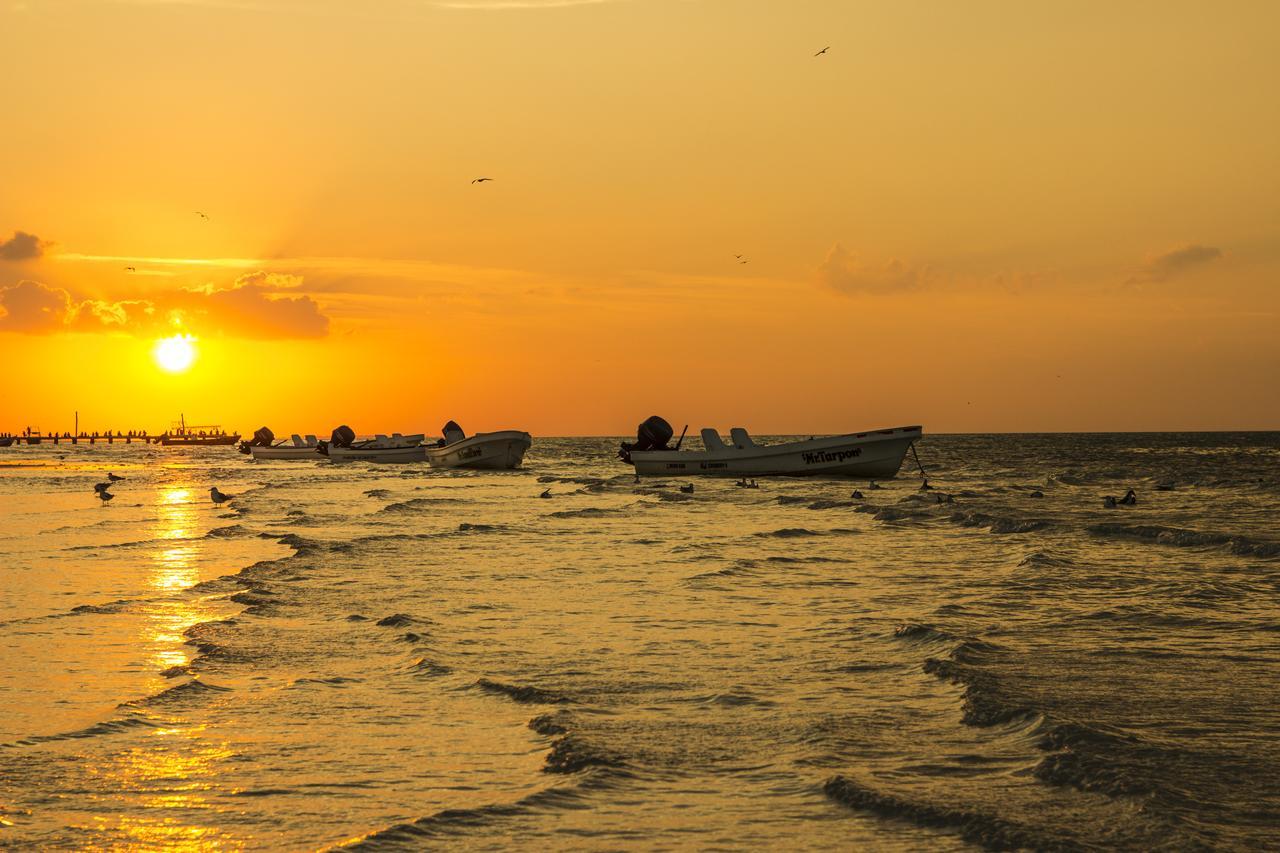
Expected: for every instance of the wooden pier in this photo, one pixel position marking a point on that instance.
(84, 437)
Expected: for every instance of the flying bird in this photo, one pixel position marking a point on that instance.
(115, 477)
(545, 494)
(104, 496)
(130, 269)
(101, 487)
(480, 180)
(202, 215)
(218, 497)
(741, 259)
(824, 50)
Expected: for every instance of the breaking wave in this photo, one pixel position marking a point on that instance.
(1181, 537)
(975, 826)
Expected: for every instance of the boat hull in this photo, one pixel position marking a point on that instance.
(378, 454)
(207, 441)
(873, 455)
(285, 452)
(492, 451)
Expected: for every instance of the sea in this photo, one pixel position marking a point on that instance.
(559, 657)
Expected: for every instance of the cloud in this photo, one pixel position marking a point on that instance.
(1175, 263)
(30, 307)
(251, 307)
(843, 271)
(22, 247)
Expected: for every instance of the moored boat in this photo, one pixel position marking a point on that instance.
(300, 448)
(342, 447)
(875, 454)
(296, 448)
(484, 450)
(180, 434)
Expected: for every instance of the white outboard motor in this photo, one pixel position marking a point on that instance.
(452, 433)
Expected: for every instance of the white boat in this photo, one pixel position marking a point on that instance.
(380, 448)
(485, 450)
(876, 454)
(298, 448)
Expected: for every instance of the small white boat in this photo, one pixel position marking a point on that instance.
(298, 448)
(876, 454)
(484, 450)
(381, 448)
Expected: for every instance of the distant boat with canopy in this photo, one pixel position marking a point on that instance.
(182, 434)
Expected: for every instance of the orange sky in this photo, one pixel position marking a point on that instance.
(975, 216)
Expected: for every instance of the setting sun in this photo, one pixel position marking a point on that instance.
(176, 353)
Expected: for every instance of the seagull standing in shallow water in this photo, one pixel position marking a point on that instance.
(114, 477)
(104, 496)
(218, 497)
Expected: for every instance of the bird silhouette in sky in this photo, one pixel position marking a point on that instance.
(824, 50)
(480, 180)
(202, 215)
(130, 269)
(741, 259)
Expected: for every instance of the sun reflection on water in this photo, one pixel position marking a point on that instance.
(168, 778)
(168, 775)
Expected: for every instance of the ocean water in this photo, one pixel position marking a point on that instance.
(399, 658)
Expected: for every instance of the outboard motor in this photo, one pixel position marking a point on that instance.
(452, 433)
(261, 438)
(341, 437)
(653, 434)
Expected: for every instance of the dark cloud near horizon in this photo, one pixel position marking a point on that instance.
(22, 247)
(249, 308)
(1175, 263)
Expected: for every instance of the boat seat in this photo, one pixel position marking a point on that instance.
(311, 440)
(711, 440)
(297, 440)
(741, 440)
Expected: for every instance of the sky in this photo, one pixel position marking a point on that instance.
(980, 216)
